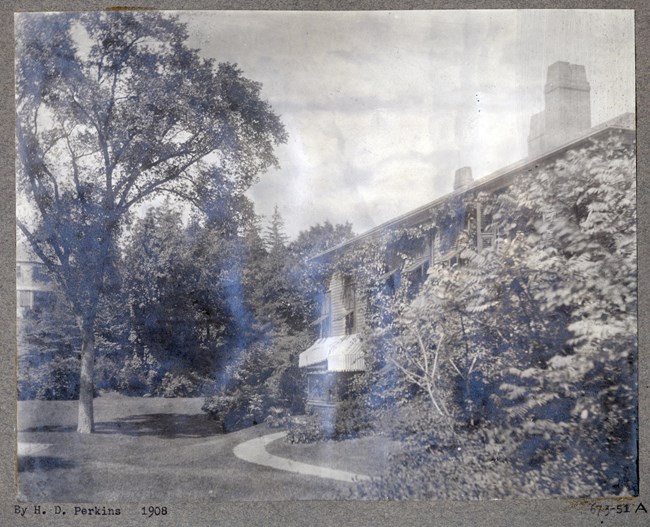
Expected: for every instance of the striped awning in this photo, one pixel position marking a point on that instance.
(338, 353)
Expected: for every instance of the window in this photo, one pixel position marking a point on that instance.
(40, 274)
(326, 317)
(321, 388)
(349, 323)
(43, 299)
(436, 246)
(348, 293)
(19, 273)
(24, 298)
(393, 281)
(487, 236)
(349, 303)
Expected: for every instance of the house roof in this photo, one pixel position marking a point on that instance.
(493, 181)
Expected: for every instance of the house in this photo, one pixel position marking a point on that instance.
(564, 125)
(34, 286)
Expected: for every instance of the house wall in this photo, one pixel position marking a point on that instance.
(31, 281)
(33, 284)
(338, 308)
(442, 248)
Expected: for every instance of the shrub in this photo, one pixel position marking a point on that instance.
(238, 410)
(55, 379)
(278, 418)
(178, 385)
(306, 429)
(348, 420)
(351, 419)
(139, 375)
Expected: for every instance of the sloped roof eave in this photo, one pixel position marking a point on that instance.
(618, 123)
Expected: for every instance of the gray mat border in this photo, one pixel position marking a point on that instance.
(567, 513)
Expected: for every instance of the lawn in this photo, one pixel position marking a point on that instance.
(165, 449)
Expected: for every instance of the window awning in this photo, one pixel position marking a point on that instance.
(337, 353)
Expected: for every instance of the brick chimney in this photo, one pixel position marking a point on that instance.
(567, 108)
(463, 177)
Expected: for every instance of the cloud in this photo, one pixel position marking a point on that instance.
(382, 107)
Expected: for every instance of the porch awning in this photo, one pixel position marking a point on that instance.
(338, 353)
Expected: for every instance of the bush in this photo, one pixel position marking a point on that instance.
(264, 375)
(307, 429)
(351, 419)
(178, 385)
(55, 379)
(238, 410)
(48, 346)
(441, 459)
(139, 375)
(474, 466)
(348, 420)
(278, 418)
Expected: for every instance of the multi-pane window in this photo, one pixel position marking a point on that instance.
(326, 317)
(25, 299)
(349, 323)
(349, 303)
(43, 299)
(321, 388)
(435, 245)
(40, 274)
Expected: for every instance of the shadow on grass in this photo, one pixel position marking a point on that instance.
(50, 428)
(42, 463)
(163, 425)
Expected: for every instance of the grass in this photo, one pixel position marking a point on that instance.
(164, 450)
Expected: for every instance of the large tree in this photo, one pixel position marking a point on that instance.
(112, 110)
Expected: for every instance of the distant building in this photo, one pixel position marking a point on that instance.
(564, 125)
(34, 286)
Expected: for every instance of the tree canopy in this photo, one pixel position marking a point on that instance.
(112, 110)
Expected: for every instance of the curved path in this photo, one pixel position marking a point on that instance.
(254, 451)
(29, 449)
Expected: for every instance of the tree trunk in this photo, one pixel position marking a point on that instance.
(86, 422)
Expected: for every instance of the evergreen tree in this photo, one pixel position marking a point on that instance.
(275, 237)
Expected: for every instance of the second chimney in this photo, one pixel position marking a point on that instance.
(463, 177)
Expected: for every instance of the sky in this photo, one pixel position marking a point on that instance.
(382, 107)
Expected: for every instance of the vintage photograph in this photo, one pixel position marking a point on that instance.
(275, 255)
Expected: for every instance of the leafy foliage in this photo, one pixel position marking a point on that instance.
(263, 379)
(98, 134)
(523, 356)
